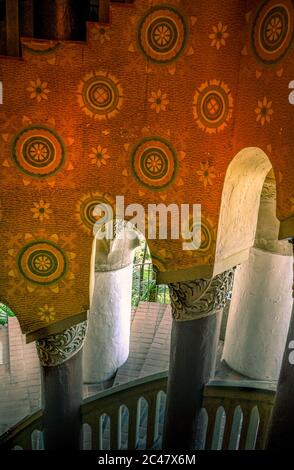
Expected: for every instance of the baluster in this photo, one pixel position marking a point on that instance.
(230, 413)
(94, 423)
(133, 424)
(151, 423)
(115, 430)
(218, 428)
(236, 429)
(211, 413)
(160, 402)
(245, 423)
(25, 440)
(264, 417)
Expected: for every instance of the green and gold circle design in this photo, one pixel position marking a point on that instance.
(42, 262)
(100, 95)
(38, 152)
(272, 31)
(162, 34)
(86, 210)
(154, 163)
(212, 106)
(207, 239)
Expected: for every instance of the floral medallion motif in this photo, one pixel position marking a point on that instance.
(85, 210)
(272, 31)
(213, 106)
(154, 163)
(100, 95)
(38, 152)
(207, 240)
(162, 34)
(40, 262)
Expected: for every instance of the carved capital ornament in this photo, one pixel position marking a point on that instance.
(58, 348)
(200, 298)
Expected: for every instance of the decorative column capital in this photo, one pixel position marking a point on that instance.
(200, 298)
(269, 191)
(291, 240)
(58, 348)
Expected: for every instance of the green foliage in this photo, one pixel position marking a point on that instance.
(5, 312)
(144, 286)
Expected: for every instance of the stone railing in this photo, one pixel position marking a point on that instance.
(26, 435)
(238, 414)
(235, 416)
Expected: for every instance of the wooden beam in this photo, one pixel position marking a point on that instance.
(12, 28)
(26, 18)
(104, 6)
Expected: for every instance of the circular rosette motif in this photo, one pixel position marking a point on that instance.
(273, 31)
(207, 237)
(86, 210)
(42, 262)
(38, 152)
(100, 95)
(157, 263)
(212, 106)
(38, 48)
(154, 163)
(162, 34)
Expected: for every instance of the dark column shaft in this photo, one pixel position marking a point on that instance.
(192, 360)
(26, 18)
(62, 398)
(281, 429)
(60, 19)
(12, 27)
(104, 11)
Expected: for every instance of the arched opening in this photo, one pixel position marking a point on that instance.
(124, 308)
(260, 309)
(145, 288)
(261, 303)
(239, 207)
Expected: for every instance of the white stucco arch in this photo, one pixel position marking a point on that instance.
(239, 207)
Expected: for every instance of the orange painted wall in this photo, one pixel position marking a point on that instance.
(197, 81)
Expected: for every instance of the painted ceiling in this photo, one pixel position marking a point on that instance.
(154, 106)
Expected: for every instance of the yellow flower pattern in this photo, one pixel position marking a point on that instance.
(264, 111)
(47, 313)
(274, 29)
(99, 156)
(101, 34)
(38, 90)
(158, 101)
(206, 174)
(41, 210)
(219, 35)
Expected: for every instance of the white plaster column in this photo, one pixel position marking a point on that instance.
(107, 341)
(261, 303)
(108, 338)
